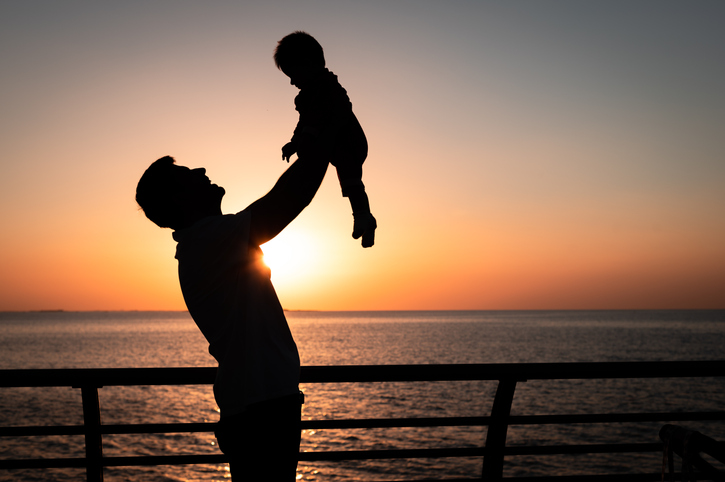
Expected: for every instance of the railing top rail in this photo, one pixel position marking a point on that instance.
(99, 377)
(512, 371)
(76, 377)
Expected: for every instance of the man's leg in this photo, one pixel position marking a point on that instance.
(263, 443)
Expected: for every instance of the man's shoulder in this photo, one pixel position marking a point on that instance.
(215, 227)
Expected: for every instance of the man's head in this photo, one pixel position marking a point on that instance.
(175, 196)
(299, 56)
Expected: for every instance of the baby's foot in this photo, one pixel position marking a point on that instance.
(364, 225)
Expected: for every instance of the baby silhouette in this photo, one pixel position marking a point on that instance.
(326, 120)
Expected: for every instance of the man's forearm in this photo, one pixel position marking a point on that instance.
(292, 192)
(300, 182)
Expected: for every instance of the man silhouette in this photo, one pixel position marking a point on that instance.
(228, 292)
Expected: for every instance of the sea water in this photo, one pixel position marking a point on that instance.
(170, 339)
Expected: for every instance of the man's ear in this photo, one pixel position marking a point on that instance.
(181, 203)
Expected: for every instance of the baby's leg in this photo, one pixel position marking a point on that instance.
(351, 184)
(364, 224)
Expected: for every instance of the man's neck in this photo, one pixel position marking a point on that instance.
(197, 215)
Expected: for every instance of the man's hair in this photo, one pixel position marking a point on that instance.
(299, 48)
(156, 193)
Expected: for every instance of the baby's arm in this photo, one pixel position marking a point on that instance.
(304, 137)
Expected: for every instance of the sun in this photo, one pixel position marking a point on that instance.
(290, 256)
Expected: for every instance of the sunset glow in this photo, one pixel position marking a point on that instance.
(550, 155)
(291, 256)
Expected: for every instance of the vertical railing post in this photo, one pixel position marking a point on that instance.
(92, 430)
(497, 429)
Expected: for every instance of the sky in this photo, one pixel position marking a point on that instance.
(523, 155)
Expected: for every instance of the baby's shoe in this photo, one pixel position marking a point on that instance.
(364, 225)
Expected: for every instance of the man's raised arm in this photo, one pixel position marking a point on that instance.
(290, 195)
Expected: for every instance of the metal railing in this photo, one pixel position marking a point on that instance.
(493, 452)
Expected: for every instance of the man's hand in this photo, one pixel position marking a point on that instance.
(287, 151)
(364, 225)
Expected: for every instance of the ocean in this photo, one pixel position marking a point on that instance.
(170, 339)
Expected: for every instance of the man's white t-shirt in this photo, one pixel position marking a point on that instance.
(229, 294)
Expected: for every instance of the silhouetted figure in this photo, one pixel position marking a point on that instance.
(229, 295)
(326, 117)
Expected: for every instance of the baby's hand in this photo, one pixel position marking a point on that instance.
(287, 151)
(364, 225)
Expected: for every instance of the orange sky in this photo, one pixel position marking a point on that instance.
(549, 155)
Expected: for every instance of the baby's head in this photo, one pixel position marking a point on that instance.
(300, 57)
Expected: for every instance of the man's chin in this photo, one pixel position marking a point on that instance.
(220, 192)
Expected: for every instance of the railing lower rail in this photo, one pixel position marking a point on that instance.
(493, 452)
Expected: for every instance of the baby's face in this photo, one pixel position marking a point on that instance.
(299, 76)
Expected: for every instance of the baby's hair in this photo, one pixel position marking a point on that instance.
(299, 48)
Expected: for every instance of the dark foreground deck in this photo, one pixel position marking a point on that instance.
(493, 451)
